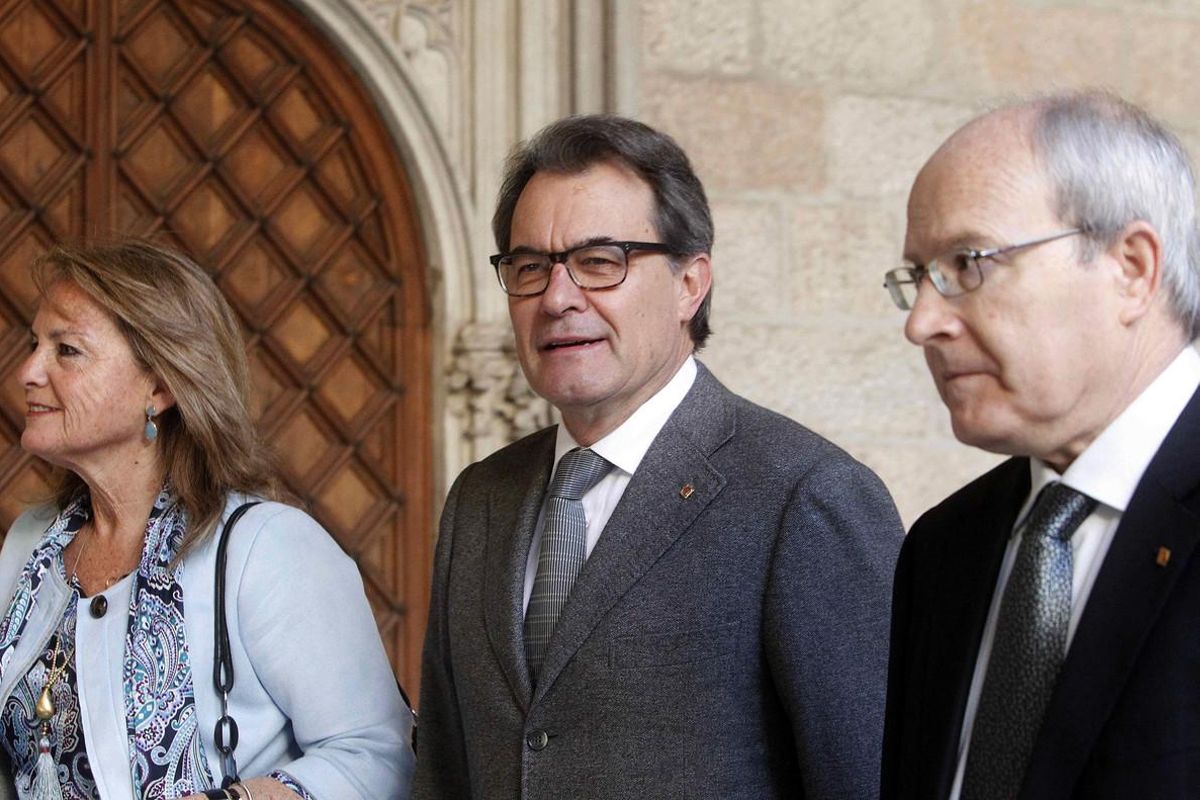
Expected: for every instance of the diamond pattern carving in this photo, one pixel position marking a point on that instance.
(305, 444)
(372, 237)
(133, 101)
(7, 343)
(300, 113)
(256, 164)
(305, 222)
(349, 498)
(31, 151)
(377, 337)
(74, 9)
(11, 211)
(229, 129)
(349, 388)
(160, 46)
(16, 284)
(210, 19)
(389, 622)
(272, 387)
(341, 177)
(29, 37)
(159, 161)
(378, 447)
(258, 61)
(256, 275)
(206, 217)
(376, 554)
(12, 393)
(133, 215)
(6, 90)
(65, 98)
(208, 103)
(64, 213)
(352, 282)
(302, 333)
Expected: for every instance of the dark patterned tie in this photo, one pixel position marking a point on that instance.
(563, 548)
(1028, 649)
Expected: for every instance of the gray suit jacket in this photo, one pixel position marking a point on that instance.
(727, 644)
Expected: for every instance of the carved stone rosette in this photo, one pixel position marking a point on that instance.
(487, 389)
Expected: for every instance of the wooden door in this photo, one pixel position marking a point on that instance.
(229, 129)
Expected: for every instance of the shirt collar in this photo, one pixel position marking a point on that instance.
(1111, 467)
(626, 446)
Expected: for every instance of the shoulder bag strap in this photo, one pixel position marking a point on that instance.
(226, 730)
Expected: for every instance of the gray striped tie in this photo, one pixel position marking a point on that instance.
(1030, 642)
(563, 548)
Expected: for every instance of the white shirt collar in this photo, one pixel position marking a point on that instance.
(626, 446)
(1111, 467)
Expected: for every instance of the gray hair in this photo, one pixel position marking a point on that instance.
(1110, 163)
(683, 219)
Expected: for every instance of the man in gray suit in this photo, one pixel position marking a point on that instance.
(675, 593)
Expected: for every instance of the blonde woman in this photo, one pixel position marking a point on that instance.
(136, 392)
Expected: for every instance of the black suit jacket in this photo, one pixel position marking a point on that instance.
(1124, 719)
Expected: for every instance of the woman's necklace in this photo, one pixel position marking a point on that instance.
(45, 785)
(45, 703)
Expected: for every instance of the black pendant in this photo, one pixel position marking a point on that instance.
(99, 606)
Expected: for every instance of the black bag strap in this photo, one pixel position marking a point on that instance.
(226, 731)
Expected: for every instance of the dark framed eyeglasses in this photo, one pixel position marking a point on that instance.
(598, 265)
(955, 273)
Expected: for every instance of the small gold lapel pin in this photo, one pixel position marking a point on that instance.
(1164, 555)
(686, 490)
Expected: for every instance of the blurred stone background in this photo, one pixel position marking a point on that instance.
(808, 120)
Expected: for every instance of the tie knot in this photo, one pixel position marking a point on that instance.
(579, 470)
(1059, 510)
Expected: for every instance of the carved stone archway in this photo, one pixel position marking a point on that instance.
(448, 81)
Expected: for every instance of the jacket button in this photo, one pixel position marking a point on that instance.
(99, 606)
(537, 740)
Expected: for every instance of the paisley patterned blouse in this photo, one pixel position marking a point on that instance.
(20, 729)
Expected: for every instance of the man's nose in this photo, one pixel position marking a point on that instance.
(931, 316)
(562, 293)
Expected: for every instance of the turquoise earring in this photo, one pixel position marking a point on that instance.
(151, 429)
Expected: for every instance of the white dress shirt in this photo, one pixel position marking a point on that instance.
(624, 448)
(1108, 471)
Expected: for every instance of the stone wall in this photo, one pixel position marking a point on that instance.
(808, 119)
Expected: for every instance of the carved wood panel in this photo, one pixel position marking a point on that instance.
(229, 129)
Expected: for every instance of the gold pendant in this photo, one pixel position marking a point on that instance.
(45, 705)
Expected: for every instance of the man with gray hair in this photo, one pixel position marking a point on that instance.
(675, 593)
(1046, 617)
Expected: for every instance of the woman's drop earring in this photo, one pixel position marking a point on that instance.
(151, 428)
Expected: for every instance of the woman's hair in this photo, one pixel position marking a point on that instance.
(183, 331)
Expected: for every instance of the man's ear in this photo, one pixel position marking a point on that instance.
(1137, 253)
(694, 284)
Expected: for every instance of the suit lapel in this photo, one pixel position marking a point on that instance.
(1130, 591)
(968, 563)
(512, 514)
(652, 514)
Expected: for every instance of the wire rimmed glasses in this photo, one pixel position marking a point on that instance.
(953, 274)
